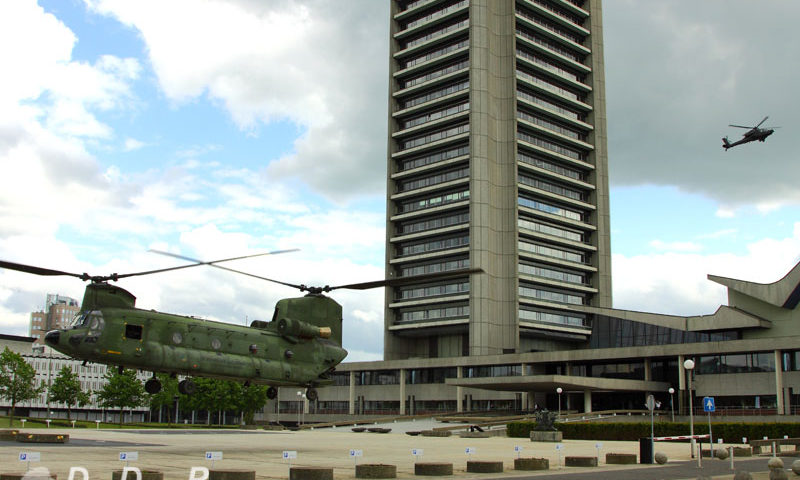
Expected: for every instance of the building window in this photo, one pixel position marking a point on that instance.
(430, 375)
(405, 249)
(433, 314)
(452, 7)
(437, 32)
(434, 136)
(434, 267)
(404, 228)
(440, 72)
(434, 94)
(434, 201)
(550, 208)
(736, 363)
(436, 157)
(435, 179)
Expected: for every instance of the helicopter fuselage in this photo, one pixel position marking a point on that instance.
(285, 351)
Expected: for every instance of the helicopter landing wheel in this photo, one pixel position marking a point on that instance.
(311, 394)
(152, 386)
(272, 392)
(187, 387)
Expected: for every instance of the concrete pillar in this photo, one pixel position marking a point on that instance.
(779, 382)
(587, 401)
(351, 408)
(524, 395)
(459, 391)
(402, 391)
(681, 385)
(648, 375)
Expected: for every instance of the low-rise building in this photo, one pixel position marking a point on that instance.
(746, 355)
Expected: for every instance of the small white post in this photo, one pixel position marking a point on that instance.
(731, 448)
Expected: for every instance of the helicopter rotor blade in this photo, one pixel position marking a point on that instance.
(399, 281)
(116, 276)
(740, 126)
(197, 263)
(40, 271)
(215, 262)
(762, 121)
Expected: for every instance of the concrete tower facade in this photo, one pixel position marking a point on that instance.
(497, 160)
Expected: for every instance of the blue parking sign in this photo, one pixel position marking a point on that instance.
(708, 404)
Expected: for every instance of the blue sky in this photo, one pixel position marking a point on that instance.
(225, 128)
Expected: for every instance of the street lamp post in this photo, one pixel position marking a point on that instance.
(689, 365)
(558, 391)
(671, 406)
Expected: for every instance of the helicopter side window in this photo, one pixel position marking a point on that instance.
(133, 332)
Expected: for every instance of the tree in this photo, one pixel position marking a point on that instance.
(166, 397)
(122, 390)
(252, 398)
(66, 389)
(17, 380)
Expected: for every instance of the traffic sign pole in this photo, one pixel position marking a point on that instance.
(709, 406)
(651, 405)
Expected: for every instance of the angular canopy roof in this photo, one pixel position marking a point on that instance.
(784, 293)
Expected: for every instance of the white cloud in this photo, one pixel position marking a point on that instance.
(725, 212)
(132, 144)
(319, 64)
(676, 283)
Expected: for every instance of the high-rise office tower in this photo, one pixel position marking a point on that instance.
(497, 160)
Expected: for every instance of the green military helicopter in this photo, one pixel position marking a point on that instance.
(300, 347)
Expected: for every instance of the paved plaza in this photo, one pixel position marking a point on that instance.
(175, 452)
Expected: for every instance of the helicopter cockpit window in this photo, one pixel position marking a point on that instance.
(79, 319)
(95, 320)
(133, 332)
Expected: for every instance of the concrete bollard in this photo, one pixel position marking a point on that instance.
(433, 469)
(32, 475)
(310, 473)
(376, 470)
(620, 458)
(580, 461)
(531, 464)
(218, 474)
(483, 466)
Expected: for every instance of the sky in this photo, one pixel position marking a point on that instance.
(217, 129)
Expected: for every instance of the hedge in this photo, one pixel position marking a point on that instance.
(732, 432)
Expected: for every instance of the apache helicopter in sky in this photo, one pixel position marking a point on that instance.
(299, 347)
(751, 135)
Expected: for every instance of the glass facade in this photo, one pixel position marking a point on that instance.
(610, 332)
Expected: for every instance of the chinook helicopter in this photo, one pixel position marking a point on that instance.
(300, 346)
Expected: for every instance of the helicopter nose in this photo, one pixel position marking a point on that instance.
(52, 337)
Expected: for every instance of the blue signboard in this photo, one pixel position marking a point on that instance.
(708, 404)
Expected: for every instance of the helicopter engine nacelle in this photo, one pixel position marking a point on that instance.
(298, 328)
